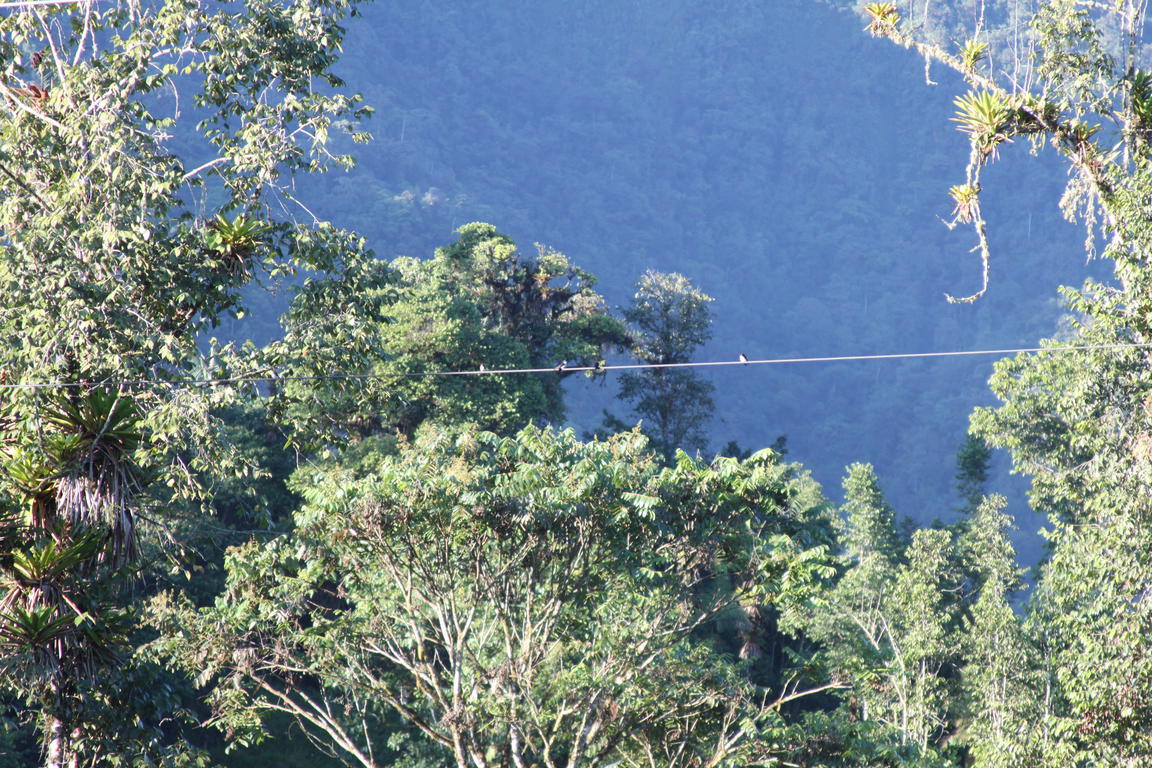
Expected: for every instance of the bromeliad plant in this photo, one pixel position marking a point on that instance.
(234, 242)
(967, 200)
(1081, 77)
(70, 530)
(76, 486)
(882, 18)
(75, 468)
(972, 52)
(99, 481)
(987, 119)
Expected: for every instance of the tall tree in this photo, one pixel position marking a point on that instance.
(544, 302)
(529, 600)
(478, 303)
(1002, 691)
(669, 320)
(889, 629)
(145, 155)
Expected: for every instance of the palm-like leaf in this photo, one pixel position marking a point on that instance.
(972, 52)
(986, 117)
(51, 561)
(234, 242)
(93, 476)
(966, 197)
(1140, 88)
(100, 417)
(883, 18)
(32, 628)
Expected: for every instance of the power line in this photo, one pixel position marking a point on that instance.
(560, 369)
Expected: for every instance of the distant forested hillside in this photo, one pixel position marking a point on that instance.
(792, 167)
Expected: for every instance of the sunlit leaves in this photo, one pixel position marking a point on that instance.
(24, 630)
(99, 417)
(147, 152)
(986, 117)
(235, 241)
(972, 52)
(966, 197)
(669, 320)
(883, 18)
(580, 575)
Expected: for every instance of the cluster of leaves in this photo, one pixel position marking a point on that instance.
(127, 232)
(476, 304)
(521, 600)
(669, 321)
(922, 625)
(1075, 421)
(524, 598)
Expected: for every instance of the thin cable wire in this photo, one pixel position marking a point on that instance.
(561, 368)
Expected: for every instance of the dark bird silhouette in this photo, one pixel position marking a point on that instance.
(744, 358)
(563, 366)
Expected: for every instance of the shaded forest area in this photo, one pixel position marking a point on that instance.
(791, 167)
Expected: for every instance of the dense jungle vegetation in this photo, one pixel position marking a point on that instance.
(246, 519)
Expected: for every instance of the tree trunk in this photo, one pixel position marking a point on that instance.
(54, 757)
(73, 754)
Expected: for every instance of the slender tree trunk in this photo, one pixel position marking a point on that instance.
(54, 754)
(73, 755)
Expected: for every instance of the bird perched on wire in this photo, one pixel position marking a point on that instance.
(562, 367)
(599, 371)
(483, 368)
(744, 358)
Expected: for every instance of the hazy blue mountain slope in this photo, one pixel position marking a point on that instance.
(793, 167)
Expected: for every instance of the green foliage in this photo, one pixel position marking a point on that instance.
(843, 740)
(986, 118)
(870, 524)
(1075, 422)
(1002, 684)
(923, 633)
(1140, 87)
(985, 552)
(882, 18)
(972, 52)
(756, 195)
(886, 626)
(669, 320)
(234, 242)
(529, 596)
(966, 197)
(972, 462)
(146, 151)
(477, 302)
(1068, 686)
(18, 747)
